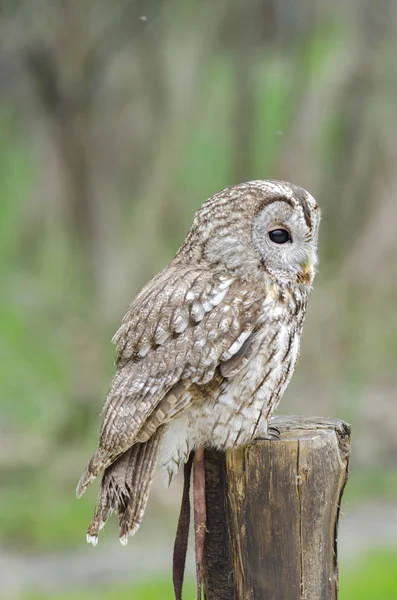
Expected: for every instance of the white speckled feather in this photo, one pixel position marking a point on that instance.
(207, 348)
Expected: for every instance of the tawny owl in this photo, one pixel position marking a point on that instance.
(209, 345)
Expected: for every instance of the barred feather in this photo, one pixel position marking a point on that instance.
(207, 348)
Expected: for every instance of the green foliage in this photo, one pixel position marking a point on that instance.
(141, 591)
(35, 513)
(373, 577)
(45, 317)
(368, 485)
(55, 360)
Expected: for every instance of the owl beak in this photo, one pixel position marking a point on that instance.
(307, 265)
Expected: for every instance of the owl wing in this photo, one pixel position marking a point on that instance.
(184, 323)
(178, 297)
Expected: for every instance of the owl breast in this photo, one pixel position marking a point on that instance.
(233, 411)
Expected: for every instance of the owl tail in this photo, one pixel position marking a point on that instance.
(125, 489)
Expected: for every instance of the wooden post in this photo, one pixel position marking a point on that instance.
(272, 514)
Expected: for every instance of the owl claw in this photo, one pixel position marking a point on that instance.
(170, 474)
(272, 433)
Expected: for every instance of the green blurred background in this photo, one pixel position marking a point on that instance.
(117, 120)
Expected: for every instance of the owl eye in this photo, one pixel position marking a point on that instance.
(280, 236)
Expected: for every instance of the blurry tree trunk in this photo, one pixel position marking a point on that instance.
(354, 161)
(67, 73)
(69, 122)
(184, 99)
(242, 39)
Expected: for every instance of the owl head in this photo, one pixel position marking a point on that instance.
(268, 227)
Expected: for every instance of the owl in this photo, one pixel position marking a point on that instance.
(208, 347)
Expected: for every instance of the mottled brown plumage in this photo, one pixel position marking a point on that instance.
(207, 348)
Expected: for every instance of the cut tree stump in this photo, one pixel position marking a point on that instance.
(272, 513)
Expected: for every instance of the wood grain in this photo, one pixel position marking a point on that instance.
(272, 514)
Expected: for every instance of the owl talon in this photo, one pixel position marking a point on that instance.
(170, 475)
(273, 433)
